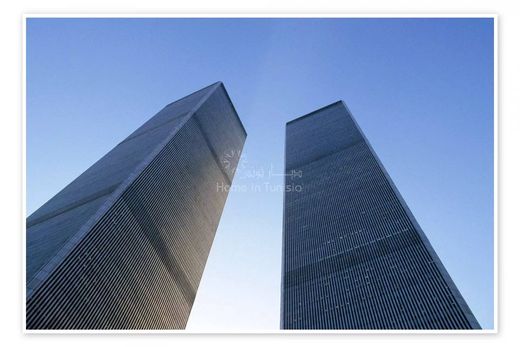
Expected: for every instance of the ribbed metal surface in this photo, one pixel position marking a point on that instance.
(353, 256)
(140, 264)
(55, 223)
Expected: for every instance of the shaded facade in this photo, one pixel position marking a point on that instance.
(125, 244)
(354, 257)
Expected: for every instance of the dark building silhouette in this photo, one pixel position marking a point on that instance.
(124, 245)
(354, 257)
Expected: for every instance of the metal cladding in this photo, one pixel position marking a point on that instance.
(125, 244)
(353, 255)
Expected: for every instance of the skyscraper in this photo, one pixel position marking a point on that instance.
(124, 245)
(354, 257)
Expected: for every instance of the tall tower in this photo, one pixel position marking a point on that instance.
(354, 257)
(124, 245)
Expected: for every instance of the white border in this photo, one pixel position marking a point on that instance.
(25, 16)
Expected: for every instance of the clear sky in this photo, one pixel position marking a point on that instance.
(421, 89)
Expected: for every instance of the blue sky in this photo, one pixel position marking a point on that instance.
(421, 89)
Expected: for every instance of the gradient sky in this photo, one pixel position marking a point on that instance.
(421, 89)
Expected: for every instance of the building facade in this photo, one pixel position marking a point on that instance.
(354, 257)
(125, 244)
